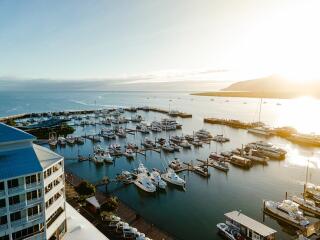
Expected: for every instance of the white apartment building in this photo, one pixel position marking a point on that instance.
(32, 194)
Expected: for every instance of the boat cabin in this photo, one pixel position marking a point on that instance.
(250, 228)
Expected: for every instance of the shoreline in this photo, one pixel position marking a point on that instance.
(243, 94)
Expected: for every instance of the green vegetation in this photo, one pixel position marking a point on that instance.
(85, 189)
(110, 205)
(10, 122)
(43, 133)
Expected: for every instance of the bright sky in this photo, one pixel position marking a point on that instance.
(187, 39)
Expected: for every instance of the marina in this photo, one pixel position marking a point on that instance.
(198, 189)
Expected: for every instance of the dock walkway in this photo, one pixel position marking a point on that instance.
(124, 212)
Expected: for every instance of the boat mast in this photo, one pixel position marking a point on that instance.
(260, 110)
(305, 185)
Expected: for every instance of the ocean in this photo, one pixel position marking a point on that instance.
(194, 213)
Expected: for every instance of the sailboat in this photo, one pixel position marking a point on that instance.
(261, 130)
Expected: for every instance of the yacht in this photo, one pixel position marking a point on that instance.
(108, 134)
(70, 140)
(175, 164)
(156, 180)
(171, 177)
(176, 139)
(148, 143)
(221, 165)
(307, 205)
(129, 153)
(197, 142)
(229, 232)
(313, 191)
(185, 144)
(98, 158)
(144, 182)
(203, 134)
(268, 150)
(168, 148)
(62, 141)
(260, 131)
(220, 138)
(107, 157)
(175, 147)
(53, 141)
(287, 210)
(136, 118)
(121, 133)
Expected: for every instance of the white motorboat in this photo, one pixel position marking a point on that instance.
(171, 177)
(70, 140)
(168, 148)
(203, 134)
(313, 191)
(220, 139)
(175, 164)
(129, 153)
(52, 142)
(148, 143)
(228, 231)
(144, 182)
(98, 158)
(306, 205)
(136, 118)
(156, 180)
(221, 165)
(185, 144)
(260, 131)
(62, 141)
(121, 133)
(288, 211)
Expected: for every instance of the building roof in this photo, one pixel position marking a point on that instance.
(18, 162)
(11, 134)
(93, 201)
(46, 156)
(79, 228)
(250, 223)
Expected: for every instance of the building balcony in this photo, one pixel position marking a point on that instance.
(2, 193)
(54, 206)
(16, 190)
(3, 227)
(54, 190)
(3, 211)
(33, 185)
(19, 222)
(35, 201)
(35, 217)
(56, 224)
(53, 176)
(37, 236)
(18, 206)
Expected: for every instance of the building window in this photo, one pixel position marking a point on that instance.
(13, 183)
(1, 186)
(34, 210)
(14, 200)
(25, 232)
(3, 220)
(31, 179)
(2, 203)
(6, 237)
(33, 195)
(15, 216)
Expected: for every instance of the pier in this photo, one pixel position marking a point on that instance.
(124, 212)
(231, 123)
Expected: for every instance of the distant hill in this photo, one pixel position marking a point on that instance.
(275, 84)
(269, 87)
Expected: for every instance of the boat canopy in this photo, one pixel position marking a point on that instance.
(250, 223)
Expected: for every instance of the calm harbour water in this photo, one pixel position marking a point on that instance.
(194, 213)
